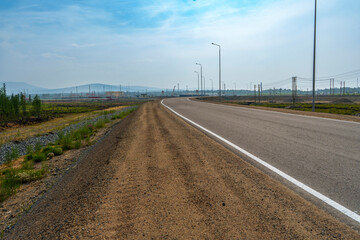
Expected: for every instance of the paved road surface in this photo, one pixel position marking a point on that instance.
(321, 153)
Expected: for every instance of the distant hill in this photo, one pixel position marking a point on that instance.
(17, 87)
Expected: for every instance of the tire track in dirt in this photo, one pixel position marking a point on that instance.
(166, 180)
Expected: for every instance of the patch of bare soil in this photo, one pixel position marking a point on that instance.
(156, 177)
(293, 111)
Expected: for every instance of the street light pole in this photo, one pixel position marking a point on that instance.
(219, 68)
(204, 86)
(200, 75)
(314, 63)
(198, 79)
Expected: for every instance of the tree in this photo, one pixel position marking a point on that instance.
(36, 106)
(15, 105)
(23, 104)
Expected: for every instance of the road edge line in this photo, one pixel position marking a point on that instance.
(299, 184)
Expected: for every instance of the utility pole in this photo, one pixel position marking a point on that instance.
(344, 89)
(219, 68)
(340, 88)
(314, 60)
(294, 89)
(255, 92)
(198, 80)
(259, 93)
(200, 75)
(204, 85)
(178, 89)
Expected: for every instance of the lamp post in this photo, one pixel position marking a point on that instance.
(219, 68)
(204, 86)
(314, 63)
(200, 75)
(198, 79)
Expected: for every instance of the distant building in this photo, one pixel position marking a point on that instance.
(115, 94)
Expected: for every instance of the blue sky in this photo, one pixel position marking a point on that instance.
(156, 43)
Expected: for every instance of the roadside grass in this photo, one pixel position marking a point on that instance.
(34, 164)
(122, 114)
(344, 109)
(9, 135)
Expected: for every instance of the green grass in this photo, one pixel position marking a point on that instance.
(122, 114)
(11, 178)
(345, 109)
(11, 155)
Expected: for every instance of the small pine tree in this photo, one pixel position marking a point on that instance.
(15, 103)
(36, 106)
(23, 104)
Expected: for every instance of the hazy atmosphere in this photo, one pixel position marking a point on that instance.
(54, 44)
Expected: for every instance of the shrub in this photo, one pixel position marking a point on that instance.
(26, 176)
(99, 124)
(58, 151)
(38, 146)
(77, 144)
(28, 157)
(9, 185)
(27, 164)
(39, 157)
(29, 149)
(61, 136)
(50, 155)
(67, 142)
(11, 155)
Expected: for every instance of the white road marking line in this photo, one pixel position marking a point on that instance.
(276, 112)
(311, 191)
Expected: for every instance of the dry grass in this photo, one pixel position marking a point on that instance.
(21, 133)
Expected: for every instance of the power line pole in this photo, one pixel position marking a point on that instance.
(204, 85)
(219, 68)
(314, 60)
(340, 88)
(200, 75)
(255, 92)
(198, 81)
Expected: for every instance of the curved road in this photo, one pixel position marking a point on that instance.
(324, 154)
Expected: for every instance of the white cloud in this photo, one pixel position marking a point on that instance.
(82, 45)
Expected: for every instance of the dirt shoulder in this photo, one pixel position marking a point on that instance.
(291, 111)
(156, 177)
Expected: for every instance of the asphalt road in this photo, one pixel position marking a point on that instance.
(324, 154)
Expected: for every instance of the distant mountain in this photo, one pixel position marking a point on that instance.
(17, 87)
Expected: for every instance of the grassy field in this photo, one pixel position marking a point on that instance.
(61, 115)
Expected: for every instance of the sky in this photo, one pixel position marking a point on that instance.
(63, 43)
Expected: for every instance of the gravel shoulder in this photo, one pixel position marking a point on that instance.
(156, 177)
